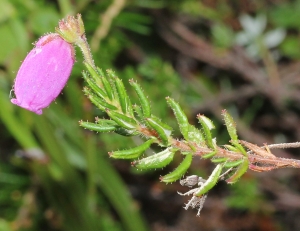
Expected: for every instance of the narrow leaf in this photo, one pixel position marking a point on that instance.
(230, 124)
(163, 130)
(182, 120)
(231, 128)
(108, 88)
(207, 125)
(139, 113)
(94, 74)
(195, 135)
(179, 171)
(219, 160)
(145, 104)
(111, 74)
(131, 153)
(232, 164)
(241, 170)
(231, 148)
(211, 181)
(94, 86)
(126, 132)
(101, 104)
(123, 97)
(122, 120)
(158, 160)
(239, 147)
(209, 155)
(97, 127)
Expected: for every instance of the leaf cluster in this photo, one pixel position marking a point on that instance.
(108, 93)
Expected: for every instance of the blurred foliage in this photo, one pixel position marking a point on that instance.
(244, 194)
(56, 176)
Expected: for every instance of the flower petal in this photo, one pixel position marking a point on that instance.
(44, 73)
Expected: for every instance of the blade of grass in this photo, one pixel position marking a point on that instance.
(20, 131)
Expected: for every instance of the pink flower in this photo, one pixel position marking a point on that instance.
(44, 73)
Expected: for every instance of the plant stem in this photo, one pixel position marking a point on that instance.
(86, 51)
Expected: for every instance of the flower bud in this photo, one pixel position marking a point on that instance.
(44, 73)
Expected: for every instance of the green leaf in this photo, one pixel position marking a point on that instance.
(179, 171)
(211, 181)
(139, 112)
(145, 104)
(241, 170)
(163, 130)
(195, 135)
(108, 88)
(209, 155)
(98, 127)
(122, 120)
(131, 153)
(207, 125)
(239, 147)
(111, 74)
(158, 160)
(94, 73)
(230, 124)
(182, 120)
(219, 160)
(232, 164)
(231, 148)
(94, 86)
(231, 128)
(123, 97)
(95, 99)
(126, 132)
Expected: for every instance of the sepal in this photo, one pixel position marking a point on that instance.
(71, 29)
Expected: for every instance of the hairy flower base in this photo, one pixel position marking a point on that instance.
(44, 73)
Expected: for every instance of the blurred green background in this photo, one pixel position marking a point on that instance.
(208, 55)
